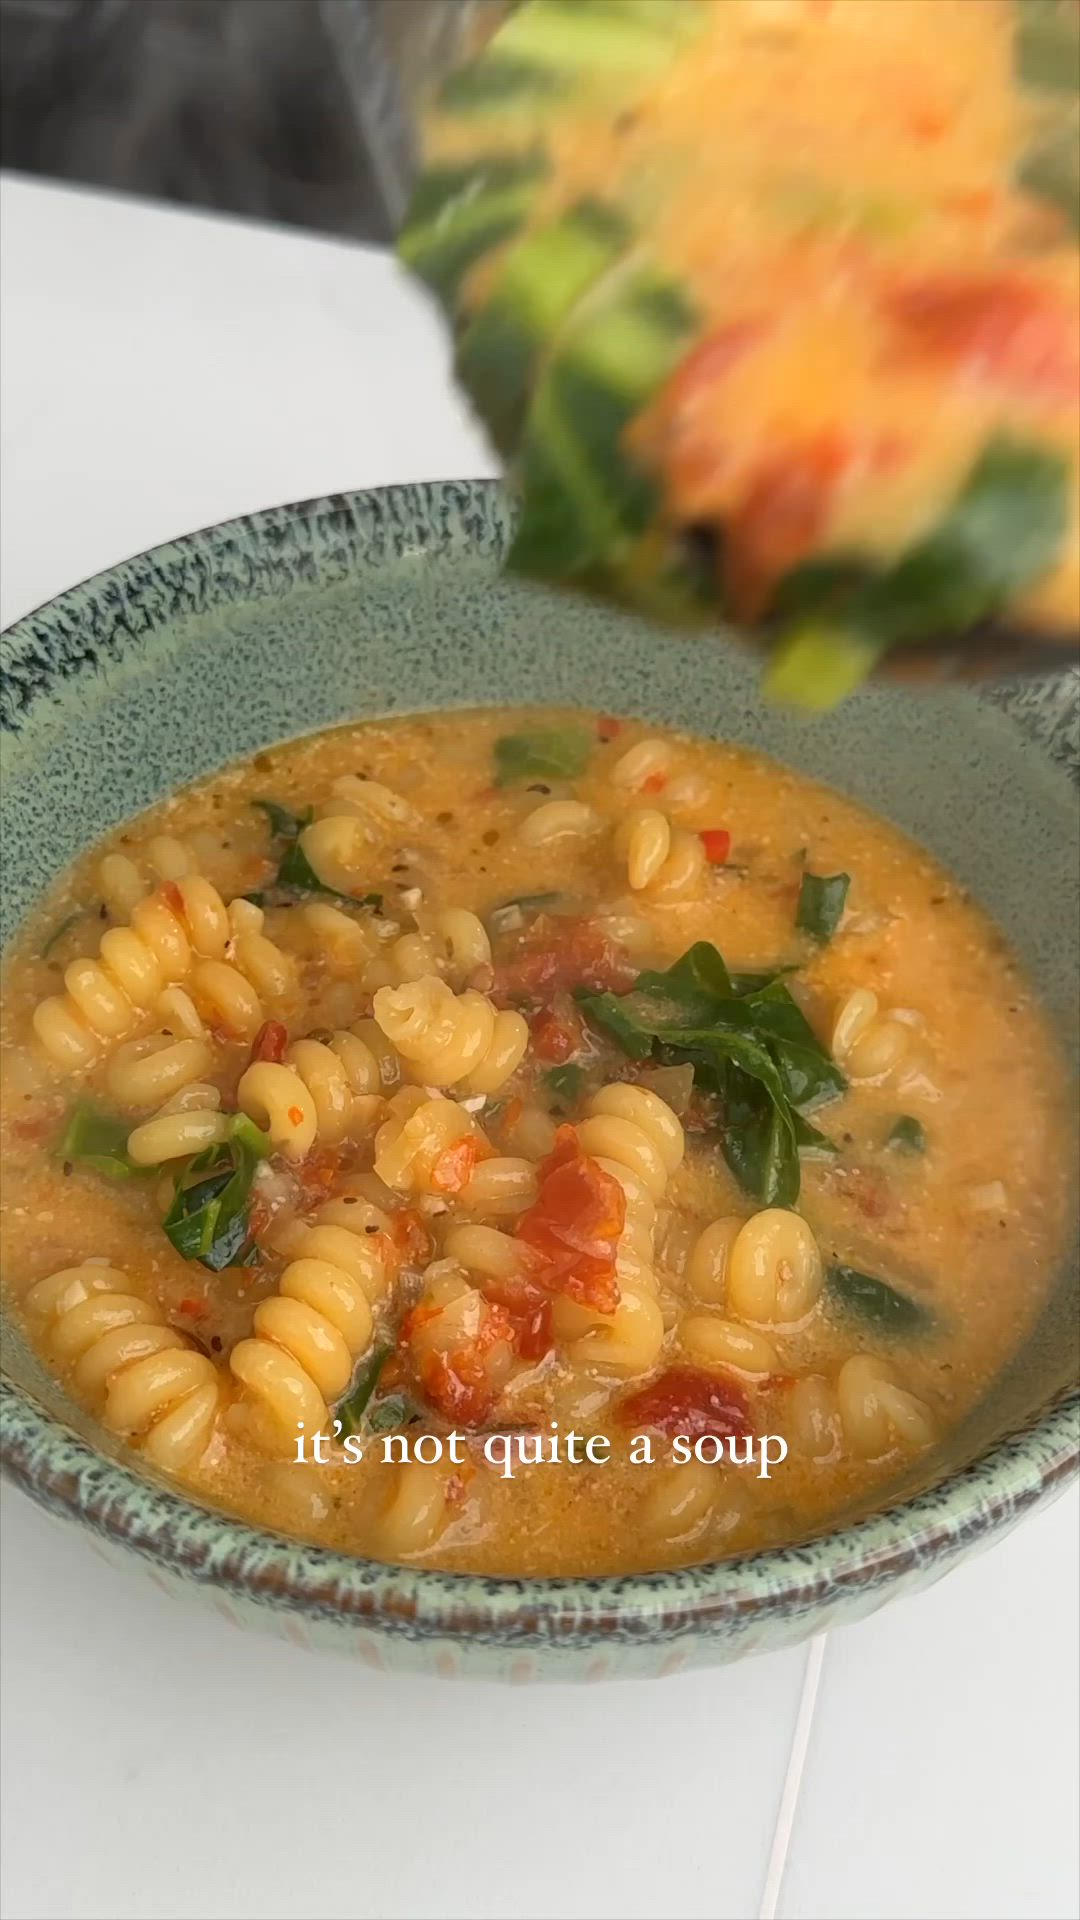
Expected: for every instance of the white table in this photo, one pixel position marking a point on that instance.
(163, 370)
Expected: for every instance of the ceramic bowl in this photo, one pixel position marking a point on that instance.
(208, 648)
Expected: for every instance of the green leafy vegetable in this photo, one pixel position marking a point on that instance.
(566, 1084)
(908, 1134)
(821, 903)
(208, 1219)
(283, 824)
(349, 1412)
(58, 933)
(876, 1302)
(546, 753)
(296, 876)
(1003, 530)
(95, 1139)
(393, 1410)
(756, 1051)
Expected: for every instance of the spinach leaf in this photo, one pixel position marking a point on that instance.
(58, 932)
(566, 1084)
(545, 753)
(759, 1142)
(810, 1075)
(821, 903)
(1002, 530)
(350, 1410)
(296, 876)
(208, 1219)
(283, 824)
(393, 1410)
(99, 1140)
(755, 1050)
(874, 1301)
(908, 1134)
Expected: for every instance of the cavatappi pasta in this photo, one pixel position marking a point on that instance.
(519, 1073)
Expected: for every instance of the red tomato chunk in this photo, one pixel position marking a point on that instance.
(685, 1400)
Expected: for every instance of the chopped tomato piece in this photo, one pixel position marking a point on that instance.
(458, 1382)
(717, 844)
(608, 728)
(555, 1037)
(556, 955)
(1002, 327)
(410, 1236)
(270, 1042)
(529, 1309)
(690, 1402)
(574, 1225)
(318, 1174)
(454, 1167)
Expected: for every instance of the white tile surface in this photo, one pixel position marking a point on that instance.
(162, 370)
(943, 1775)
(159, 1763)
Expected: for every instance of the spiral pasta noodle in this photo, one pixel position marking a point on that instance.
(323, 1090)
(417, 1132)
(635, 1137)
(451, 943)
(665, 860)
(181, 933)
(452, 1040)
(337, 845)
(865, 1042)
(152, 1386)
(309, 1335)
(123, 885)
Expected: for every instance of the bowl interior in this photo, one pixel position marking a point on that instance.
(205, 650)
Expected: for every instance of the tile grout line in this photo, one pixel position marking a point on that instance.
(793, 1779)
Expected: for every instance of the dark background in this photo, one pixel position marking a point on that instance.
(253, 107)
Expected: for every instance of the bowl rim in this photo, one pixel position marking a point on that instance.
(43, 1456)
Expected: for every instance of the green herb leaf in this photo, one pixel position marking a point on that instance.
(566, 1084)
(821, 903)
(546, 753)
(350, 1410)
(58, 933)
(1004, 528)
(876, 1302)
(283, 824)
(393, 1410)
(908, 1134)
(755, 1051)
(208, 1219)
(95, 1139)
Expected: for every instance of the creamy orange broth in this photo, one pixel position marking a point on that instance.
(973, 1227)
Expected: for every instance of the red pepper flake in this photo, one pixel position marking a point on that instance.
(194, 1308)
(456, 1164)
(513, 1112)
(656, 782)
(717, 844)
(575, 1224)
(608, 728)
(296, 1115)
(690, 1402)
(270, 1042)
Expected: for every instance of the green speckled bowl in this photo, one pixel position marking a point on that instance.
(166, 666)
